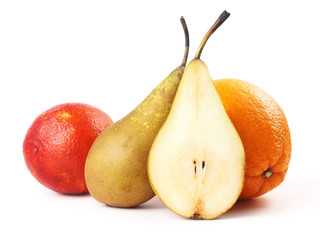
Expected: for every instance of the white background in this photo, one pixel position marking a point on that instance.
(111, 54)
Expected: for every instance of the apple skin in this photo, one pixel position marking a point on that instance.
(57, 143)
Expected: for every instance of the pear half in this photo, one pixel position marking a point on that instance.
(196, 163)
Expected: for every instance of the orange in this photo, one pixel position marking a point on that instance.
(57, 143)
(264, 131)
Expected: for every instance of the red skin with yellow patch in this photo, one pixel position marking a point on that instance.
(57, 143)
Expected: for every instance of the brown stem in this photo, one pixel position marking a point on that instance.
(186, 36)
(224, 15)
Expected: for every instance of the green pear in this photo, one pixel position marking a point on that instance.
(116, 166)
(196, 163)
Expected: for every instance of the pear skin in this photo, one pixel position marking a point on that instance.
(115, 170)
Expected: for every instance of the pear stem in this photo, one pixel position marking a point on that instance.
(224, 15)
(186, 36)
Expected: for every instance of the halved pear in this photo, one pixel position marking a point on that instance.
(196, 163)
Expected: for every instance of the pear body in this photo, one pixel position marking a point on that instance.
(196, 163)
(116, 165)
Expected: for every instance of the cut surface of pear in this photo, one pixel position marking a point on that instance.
(196, 163)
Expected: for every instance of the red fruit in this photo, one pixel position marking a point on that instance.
(57, 143)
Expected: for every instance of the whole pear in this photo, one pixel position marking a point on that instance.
(116, 165)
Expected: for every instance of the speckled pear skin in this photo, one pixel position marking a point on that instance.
(116, 166)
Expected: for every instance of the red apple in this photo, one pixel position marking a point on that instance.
(57, 143)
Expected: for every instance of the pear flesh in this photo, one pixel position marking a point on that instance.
(196, 163)
(116, 165)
